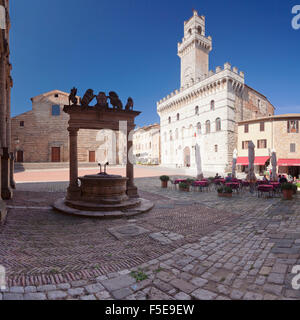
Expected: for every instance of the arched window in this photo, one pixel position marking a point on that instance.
(199, 29)
(178, 116)
(169, 119)
(212, 105)
(170, 133)
(176, 134)
(199, 128)
(196, 110)
(207, 126)
(218, 124)
(190, 31)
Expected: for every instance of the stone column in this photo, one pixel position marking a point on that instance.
(12, 170)
(132, 191)
(3, 101)
(6, 191)
(73, 190)
(8, 133)
(3, 210)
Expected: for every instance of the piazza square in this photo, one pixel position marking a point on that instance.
(106, 196)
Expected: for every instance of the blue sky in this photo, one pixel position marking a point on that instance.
(130, 46)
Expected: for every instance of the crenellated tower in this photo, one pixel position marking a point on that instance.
(194, 50)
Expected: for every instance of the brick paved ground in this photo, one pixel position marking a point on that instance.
(196, 246)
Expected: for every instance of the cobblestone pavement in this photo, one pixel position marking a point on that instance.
(190, 246)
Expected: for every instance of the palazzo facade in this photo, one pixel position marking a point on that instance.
(199, 121)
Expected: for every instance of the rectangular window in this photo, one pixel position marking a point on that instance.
(293, 126)
(293, 147)
(216, 148)
(246, 128)
(55, 110)
(261, 144)
(245, 144)
(262, 126)
(22, 123)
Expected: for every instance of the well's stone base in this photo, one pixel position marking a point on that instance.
(87, 209)
(3, 212)
(132, 192)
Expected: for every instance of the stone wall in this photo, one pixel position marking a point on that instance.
(37, 131)
(6, 161)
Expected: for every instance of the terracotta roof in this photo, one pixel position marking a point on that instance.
(277, 116)
(46, 94)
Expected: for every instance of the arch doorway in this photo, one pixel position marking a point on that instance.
(187, 157)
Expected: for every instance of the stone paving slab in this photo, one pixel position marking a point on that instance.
(249, 256)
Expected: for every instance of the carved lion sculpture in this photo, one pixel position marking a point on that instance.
(102, 100)
(72, 96)
(87, 98)
(129, 105)
(115, 101)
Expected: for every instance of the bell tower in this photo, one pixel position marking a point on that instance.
(194, 50)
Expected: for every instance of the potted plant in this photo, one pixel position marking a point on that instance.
(183, 186)
(189, 181)
(164, 181)
(287, 190)
(224, 192)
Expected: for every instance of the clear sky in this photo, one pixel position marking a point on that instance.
(130, 46)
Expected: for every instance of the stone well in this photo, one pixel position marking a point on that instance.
(103, 195)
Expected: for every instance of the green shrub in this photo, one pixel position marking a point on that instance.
(224, 190)
(183, 185)
(287, 186)
(298, 184)
(189, 181)
(164, 178)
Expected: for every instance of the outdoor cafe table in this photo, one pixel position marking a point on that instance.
(265, 188)
(179, 180)
(275, 184)
(219, 180)
(200, 183)
(233, 185)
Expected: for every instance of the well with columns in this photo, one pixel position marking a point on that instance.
(101, 195)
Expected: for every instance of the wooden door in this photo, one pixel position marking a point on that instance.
(92, 156)
(55, 154)
(20, 156)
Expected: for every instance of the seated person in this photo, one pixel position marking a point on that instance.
(217, 176)
(283, 179)
(265, 179)
(228, 178)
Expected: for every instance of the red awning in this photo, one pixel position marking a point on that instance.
(259, 161)
(288, 162)
(242, 161)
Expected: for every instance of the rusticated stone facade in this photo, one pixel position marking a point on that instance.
(40, 135)
(199, 120)
(6, 161)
